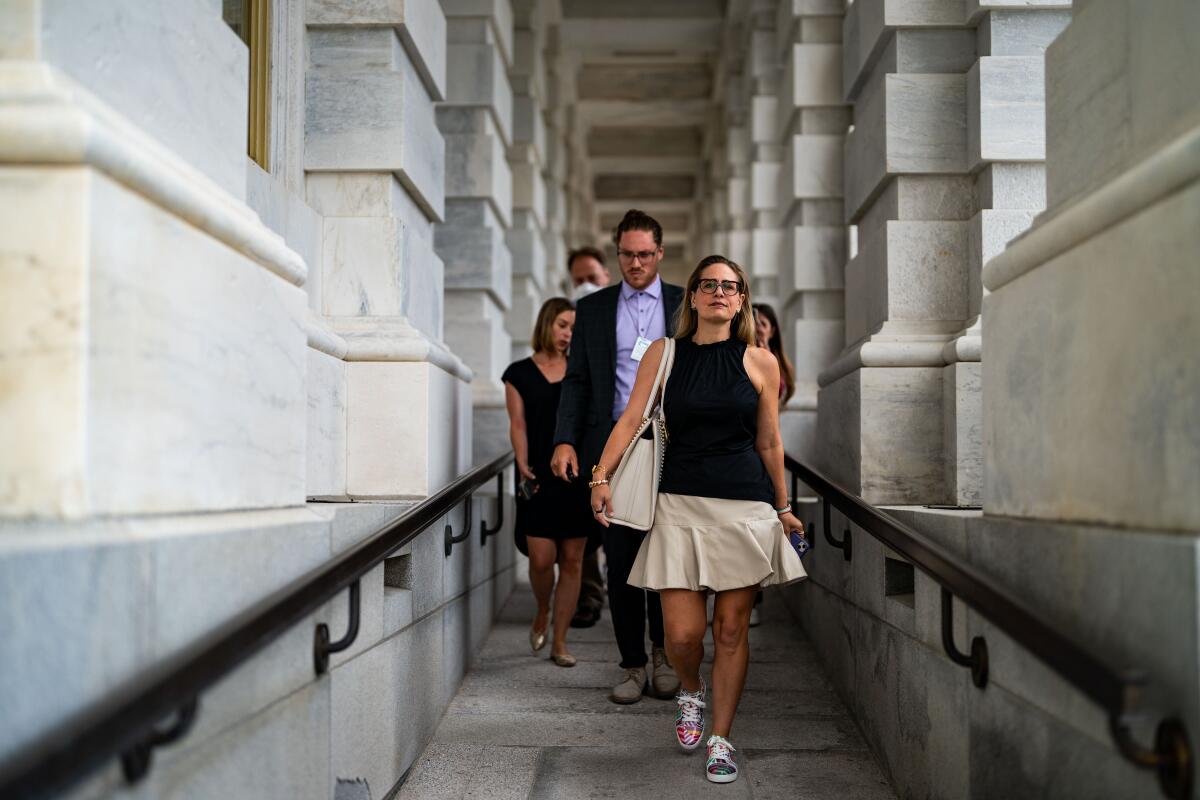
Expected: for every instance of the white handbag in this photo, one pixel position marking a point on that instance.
(634, 483)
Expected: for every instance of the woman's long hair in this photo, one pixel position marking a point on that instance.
(543, 330)
(775, 345)
(741, 326)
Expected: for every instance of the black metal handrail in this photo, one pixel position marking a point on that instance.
(1117, 692)
(126, 723)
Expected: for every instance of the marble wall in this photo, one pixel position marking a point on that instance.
(1107, 395)
(176, 396)
(1070, 431)
(195, 345)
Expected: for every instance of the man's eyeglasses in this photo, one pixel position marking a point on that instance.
(710, 285)
(629, 256)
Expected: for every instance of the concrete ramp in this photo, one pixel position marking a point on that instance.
(521, 727)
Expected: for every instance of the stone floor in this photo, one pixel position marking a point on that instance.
(521, 727)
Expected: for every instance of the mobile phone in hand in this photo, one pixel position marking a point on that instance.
(798, 542)
(526, 488)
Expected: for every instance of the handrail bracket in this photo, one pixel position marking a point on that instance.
(448, 534)
(484, 531)
(1171, 757)
(845, 544)
(135, 762)
(322, 647)
(978, 658)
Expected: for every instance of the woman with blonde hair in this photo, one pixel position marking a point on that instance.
(722, 519)
(550, 515)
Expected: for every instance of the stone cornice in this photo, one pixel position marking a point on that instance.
(913, 353)
(394, 339)
(321, 338)
(48, 120)
(1055, 232)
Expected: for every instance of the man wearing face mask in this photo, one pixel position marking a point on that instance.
(588, 274)
(613, 329)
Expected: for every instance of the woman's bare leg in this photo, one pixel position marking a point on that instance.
(731, 654)
(570, 571)
(542, 553)
(685, 616)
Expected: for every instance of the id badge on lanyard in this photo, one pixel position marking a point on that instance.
(639, 348)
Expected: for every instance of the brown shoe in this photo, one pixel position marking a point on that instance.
(630, 689)
(664, 683)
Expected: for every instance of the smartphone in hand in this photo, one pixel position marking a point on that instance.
(798, 542)
(526, 488)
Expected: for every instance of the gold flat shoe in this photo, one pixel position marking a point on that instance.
(537, 639)
(565, 660)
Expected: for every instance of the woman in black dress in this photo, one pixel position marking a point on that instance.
(722, 522)
(552, 515)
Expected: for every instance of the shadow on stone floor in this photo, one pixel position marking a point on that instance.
(521, 727)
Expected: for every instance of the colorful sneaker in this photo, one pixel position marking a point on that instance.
(689, 720)
(720, 767)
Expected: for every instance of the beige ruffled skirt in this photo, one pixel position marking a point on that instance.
(702, 543)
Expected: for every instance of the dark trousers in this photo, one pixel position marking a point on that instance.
(630, 606)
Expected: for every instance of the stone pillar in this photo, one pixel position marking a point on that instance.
(807, 121)
(563, 205)
(135, 381)
(374, 159)
(908, 192)
(1005, 150)
(942, 168)
(527, 158)
(476, 120)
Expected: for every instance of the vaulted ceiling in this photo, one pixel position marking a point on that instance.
(644, 93)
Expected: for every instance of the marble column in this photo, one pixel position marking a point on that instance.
(476, 120)
(135, 381)
(375, 170)
(941, 168)
(1005, 151)
(908, 193)
(527, 159)
(561, 205)
(807, 121)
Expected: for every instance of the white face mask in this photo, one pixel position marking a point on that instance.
(584, 289)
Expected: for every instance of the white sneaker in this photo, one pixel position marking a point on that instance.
(689, 720)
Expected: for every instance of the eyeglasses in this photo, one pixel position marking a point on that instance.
(629, 256)
(710, 285)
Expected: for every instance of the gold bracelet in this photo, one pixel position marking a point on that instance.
(594, 484)
(597, 468)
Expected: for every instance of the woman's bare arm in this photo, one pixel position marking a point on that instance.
(627, 425)
(763, 369)
(516, 430)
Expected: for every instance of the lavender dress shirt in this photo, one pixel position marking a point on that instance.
(639, 313)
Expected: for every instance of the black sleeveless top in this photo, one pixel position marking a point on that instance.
(712, 424)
